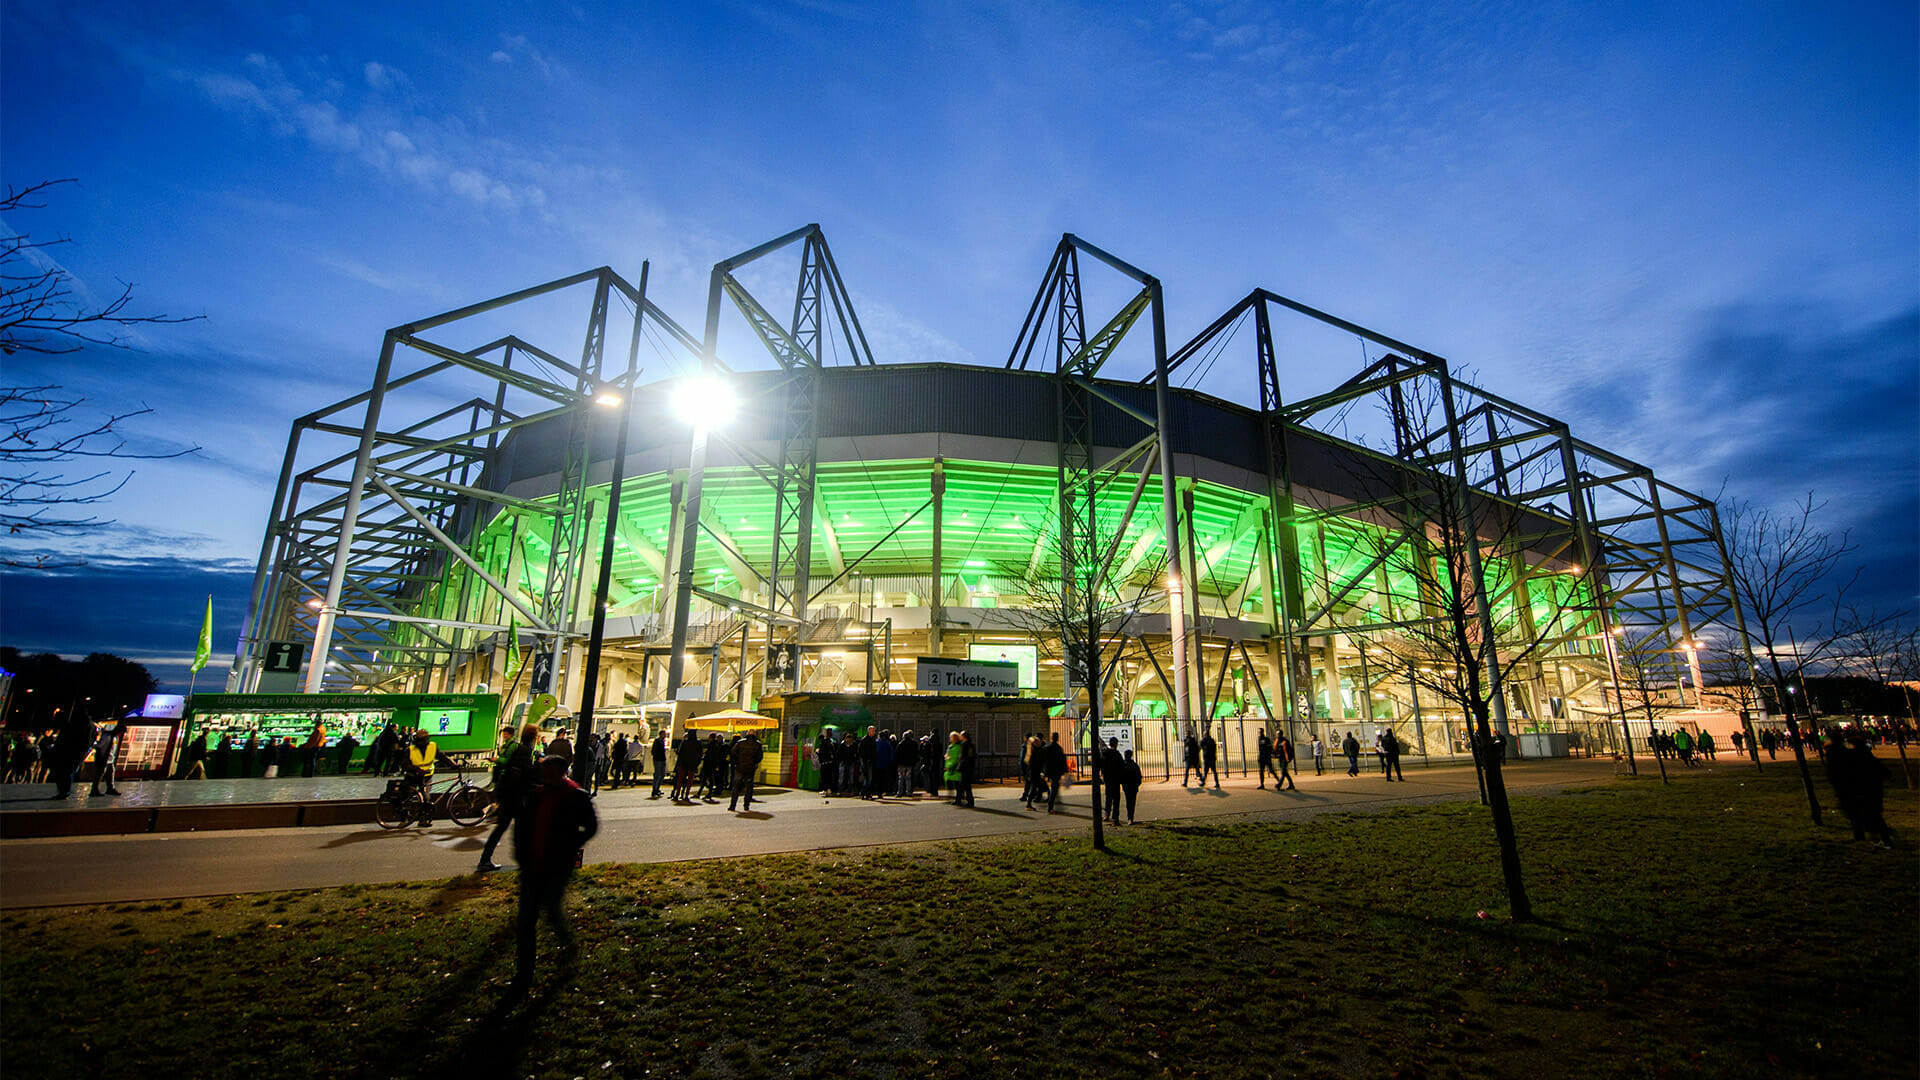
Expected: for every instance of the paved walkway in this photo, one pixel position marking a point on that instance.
(145, 794)
(635, 828)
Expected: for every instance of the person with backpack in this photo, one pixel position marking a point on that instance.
(551, 831)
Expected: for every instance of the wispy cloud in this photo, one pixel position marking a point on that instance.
(379, 127)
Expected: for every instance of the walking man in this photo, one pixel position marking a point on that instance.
(513, 776)
(1190, 759)
(1283, 749)
(1053, 765)
(1350, 746)
(553, 827)
(1319, 750)
(1265, 758)
(1209, 751)
(1390, 755)
(105, 750)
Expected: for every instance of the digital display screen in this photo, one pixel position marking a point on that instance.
(446, 721)
(1027, 656)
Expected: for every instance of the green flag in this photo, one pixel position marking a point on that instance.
(204, 650)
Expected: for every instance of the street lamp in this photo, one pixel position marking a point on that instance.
(607, 396)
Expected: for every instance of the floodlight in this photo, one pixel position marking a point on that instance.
(607, 398)
(704, 400)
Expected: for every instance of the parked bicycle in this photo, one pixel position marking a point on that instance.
(460, 800)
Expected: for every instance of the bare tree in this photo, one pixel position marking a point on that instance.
(1469, 621)
(1782, 567)
(1876, 646)
(43, 429)
(1071, 606)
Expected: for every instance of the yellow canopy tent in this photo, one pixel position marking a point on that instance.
(730, 721)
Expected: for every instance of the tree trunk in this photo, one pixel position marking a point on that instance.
(1093, 739)
(1793, 731)
(1517, 902)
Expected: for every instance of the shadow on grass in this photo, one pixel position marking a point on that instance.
(498, 1045)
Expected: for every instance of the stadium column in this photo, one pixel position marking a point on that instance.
(349, 519)
(937, 606)
(1169, 506)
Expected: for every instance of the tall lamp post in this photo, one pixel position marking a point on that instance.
(608, 397)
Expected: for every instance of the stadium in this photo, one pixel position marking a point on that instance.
(784, 518)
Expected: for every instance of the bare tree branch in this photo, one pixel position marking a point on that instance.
(41, 427)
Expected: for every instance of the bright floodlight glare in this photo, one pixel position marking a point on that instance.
(705, 400)
(607, 398)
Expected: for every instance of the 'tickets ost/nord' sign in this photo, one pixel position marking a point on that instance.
(975, 676)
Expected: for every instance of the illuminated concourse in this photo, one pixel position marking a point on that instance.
(814, 522)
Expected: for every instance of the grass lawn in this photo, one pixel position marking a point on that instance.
(1703, 928)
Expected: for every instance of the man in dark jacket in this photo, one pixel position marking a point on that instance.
(1266, 762)
(380, 762)
(1130, 782)
(1190, 759)
(659, 754)
(713, 767)
(1053, 765)
(905, 757)
(552, 827)
(866, 757)
(686, 767)
(1209, 754)
(1390, 755)
(1860, 779)
(746, 762)
(1350, 746)
(1112, 769)
(71, 749)
(618, 759)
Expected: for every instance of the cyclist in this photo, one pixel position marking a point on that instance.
(417, 773)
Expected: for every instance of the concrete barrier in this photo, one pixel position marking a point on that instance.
(28, 824)
(22, 824)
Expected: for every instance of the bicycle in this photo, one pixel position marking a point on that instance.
(463, 801)
(466, 802)
(402, 804)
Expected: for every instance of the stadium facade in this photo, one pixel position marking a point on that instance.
(1278, 561)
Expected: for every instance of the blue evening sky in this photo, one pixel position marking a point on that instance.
(1690, 230)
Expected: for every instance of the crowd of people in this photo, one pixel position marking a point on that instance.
(881, 763)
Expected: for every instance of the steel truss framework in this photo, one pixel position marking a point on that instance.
(370, 552)
(403, 558)
(1648, 555)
